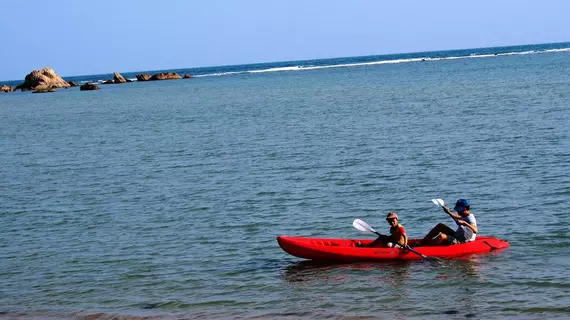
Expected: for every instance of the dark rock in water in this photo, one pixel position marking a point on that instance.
(187, 76)
(46, 76)
(73, 84)
(143, 77)
(165, 76)
(108, 82)
(150, 305)
(118, 78)
(89, 86)
(129, 80)
(451, 312)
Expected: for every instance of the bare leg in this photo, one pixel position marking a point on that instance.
(439, 228)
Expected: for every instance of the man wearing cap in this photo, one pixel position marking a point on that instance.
(466, 227)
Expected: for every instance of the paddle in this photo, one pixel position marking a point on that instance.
(365, 227)
(439, 202)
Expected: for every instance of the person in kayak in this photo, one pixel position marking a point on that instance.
(444, 235)
(397, 237)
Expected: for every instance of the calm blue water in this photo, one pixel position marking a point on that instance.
(163, 199)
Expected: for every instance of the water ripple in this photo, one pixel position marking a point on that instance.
(122, 208)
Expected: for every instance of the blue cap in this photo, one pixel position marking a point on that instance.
(461, 204)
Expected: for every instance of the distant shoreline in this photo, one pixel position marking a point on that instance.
(357, 61)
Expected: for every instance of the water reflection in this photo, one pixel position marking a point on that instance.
(447, 288)
(463, 268)
(394, 273)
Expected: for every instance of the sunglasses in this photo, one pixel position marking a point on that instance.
(391, 219)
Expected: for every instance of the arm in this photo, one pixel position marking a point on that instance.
(459, 221)
(404, 236)
(456, 217)
(470, 226)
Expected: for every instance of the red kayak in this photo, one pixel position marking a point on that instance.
(344, 250)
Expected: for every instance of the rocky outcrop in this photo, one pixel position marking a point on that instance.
(118, 78)
(5, 88)
(143, 77)
(73, 84)
(108, 82)
(89, 86)
(187, 76)
(43, 88)
(46, 78)
(165, 76)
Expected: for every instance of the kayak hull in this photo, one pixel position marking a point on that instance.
(346, 250)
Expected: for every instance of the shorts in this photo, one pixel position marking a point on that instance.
(387, 240)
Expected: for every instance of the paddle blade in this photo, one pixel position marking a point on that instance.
(433, 259)
(438, 202)
(362, 226)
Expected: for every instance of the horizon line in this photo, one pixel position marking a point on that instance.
(299, 60)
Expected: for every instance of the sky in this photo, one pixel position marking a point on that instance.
(104, 36)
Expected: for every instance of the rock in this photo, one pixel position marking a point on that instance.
(46, 76)
(89, 86)
(119, 78)
(5, 88)
(165, 76)
(43, 88)
(187, 76)
(73, 84)
(44, 91)
(108, 82)
(143, 77)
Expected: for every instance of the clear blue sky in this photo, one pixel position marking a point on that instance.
(103, 36)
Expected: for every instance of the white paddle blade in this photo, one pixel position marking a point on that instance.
(362, 226)
(438, 202)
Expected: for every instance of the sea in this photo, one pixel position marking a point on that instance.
(163, 199)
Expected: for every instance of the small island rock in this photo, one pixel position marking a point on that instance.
(45, 78)
(143, 77)
(89, 86)
(118, 78)
(165, 76)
